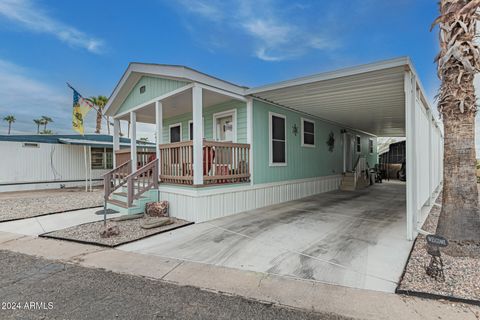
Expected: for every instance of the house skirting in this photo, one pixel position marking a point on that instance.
(200, 204)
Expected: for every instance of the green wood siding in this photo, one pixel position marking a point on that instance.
(302, 162)
(208, 113)
(154, 87)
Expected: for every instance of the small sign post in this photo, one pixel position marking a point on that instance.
(435, 267)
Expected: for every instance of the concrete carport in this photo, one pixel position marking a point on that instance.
(358, 239)
(385, 99)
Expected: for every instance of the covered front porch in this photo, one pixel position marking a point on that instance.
(201, 137)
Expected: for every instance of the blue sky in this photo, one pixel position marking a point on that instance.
(89, 43)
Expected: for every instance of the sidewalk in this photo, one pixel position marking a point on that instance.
(308, 295)
(38, 225)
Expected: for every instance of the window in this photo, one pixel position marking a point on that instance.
(358, 143)
(308, 133)
(142, 89)
(190, 128)
(278, 139)
(30, 145)
(370, 145)
(175, 132)
(102, 158)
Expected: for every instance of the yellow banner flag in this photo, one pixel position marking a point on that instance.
(81, 107)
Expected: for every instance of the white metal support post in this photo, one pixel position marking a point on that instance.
(250, 135)
(116, 140)
(159, 126)
(410, 126)
(431, 167)
(133, 141)
(197, 106)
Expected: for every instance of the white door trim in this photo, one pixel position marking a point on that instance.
(233, 113)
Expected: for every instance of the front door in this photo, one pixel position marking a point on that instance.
(349, 153)
(224, 128)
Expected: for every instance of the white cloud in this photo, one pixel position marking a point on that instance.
(35, 19)
(272, 34)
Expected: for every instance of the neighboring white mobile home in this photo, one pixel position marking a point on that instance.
(32, 162)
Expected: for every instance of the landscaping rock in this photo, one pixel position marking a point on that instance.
(110, 231)
(157, 209)
(155, 223)
(128, 217)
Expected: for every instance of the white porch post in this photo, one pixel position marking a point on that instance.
(159, 126)
(250, 135)
(197, 106)
(410, 126)
(116, 140)
(133, 141)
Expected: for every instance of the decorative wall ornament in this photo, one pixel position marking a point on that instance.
(331, 141)
(295, 129)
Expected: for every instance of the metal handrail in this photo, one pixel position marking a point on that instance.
(113, 179)
(141, 181)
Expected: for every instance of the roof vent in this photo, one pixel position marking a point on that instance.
(142, 89)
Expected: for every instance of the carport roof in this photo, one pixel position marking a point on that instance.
(369, 97)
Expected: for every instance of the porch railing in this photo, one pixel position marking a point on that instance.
(223, 162)
(143, 156)
(116, 178)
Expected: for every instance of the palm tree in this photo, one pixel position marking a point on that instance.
(10, 119)
(46, 120)
(458, 62)
(100, 102)
(38, 122)
(47, 132)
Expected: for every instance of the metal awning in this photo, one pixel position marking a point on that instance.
(370, 98)
(94, 143)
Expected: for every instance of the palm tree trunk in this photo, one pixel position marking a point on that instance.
(458, 62)
(98, 127)
(9, 127)
(38, 128)
(459, 220)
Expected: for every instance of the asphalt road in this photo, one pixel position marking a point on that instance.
(43, 289)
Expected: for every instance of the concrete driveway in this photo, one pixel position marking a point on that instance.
(355, 239)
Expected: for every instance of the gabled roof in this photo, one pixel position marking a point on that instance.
(136, 70)
(88, 139)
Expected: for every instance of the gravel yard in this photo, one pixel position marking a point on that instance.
(27, 204)
(130, 230)
(461, 274)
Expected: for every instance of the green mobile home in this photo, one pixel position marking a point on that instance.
(223, 148)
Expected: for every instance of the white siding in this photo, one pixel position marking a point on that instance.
(203, 205)
(47, 162)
